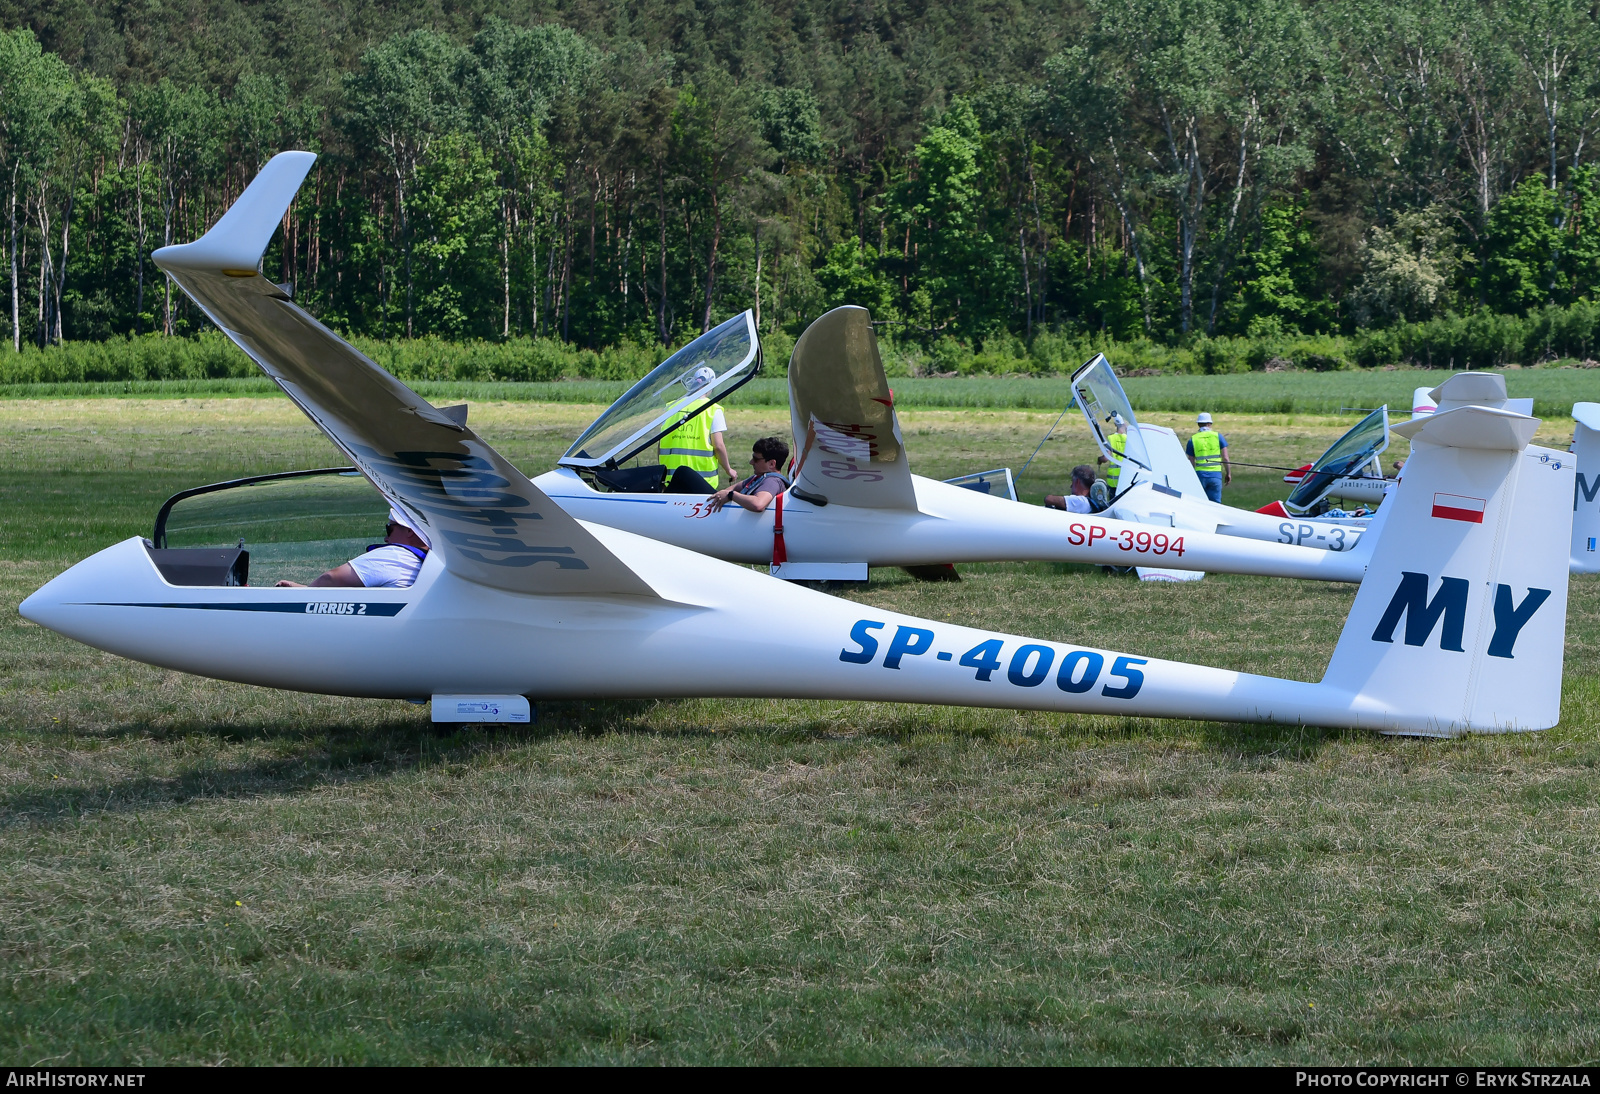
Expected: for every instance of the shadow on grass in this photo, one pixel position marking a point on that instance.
(331, 754)
(352, 752)
(1297, 744)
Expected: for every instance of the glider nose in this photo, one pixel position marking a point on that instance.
(45, 605)
(69, 603)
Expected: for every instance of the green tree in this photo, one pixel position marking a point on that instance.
(1407, 270)
(1279, 276)
(36, 91)
(85, 130)
(1580, 251)
(717, 145)
(1555, 42)
(1520, 248)
(964, 271)
(181, 126)
(456, 203)
(514, 79)
(403, 95)
(850, 274)
(1181, 98)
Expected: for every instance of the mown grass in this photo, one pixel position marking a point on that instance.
(1553, 390)
(203, 872)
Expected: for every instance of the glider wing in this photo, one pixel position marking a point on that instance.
(487, 521)
(848, 439)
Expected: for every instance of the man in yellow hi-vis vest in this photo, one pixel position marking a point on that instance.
(696, 451)
(1119, 444)
(1208, 451)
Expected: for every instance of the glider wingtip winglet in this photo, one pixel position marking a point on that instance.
(238, 239)
(1587, 415)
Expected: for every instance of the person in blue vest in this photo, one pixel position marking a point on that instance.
(697, 450)
(1208, 451)
(392, 564)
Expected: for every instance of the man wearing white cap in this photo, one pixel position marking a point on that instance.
(696, 451)
(1208, 451)
(392, 564)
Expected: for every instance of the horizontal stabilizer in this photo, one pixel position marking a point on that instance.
(1470, 389)
(1471, 426)
(484, 518)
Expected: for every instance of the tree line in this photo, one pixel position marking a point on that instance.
(977, 175)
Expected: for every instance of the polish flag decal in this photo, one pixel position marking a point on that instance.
(1456, 507)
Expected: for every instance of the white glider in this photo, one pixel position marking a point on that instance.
(1459, 626)
(1166, 491)
(1159, 485)
(855, 502)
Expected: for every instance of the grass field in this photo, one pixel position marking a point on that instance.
(202, 872)
(1553, 390)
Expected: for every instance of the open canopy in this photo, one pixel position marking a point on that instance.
(671, 394)
(1106, 406)
(1344, 459)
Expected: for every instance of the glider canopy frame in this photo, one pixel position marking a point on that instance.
(664, 399)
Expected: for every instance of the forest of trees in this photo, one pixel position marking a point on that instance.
(976, 173)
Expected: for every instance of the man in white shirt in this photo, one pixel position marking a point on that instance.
(392, 564)
(1078, 500)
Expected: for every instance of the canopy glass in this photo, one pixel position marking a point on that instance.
(671, 394)
(1108, 411)
(295, 525)
(1345, 458)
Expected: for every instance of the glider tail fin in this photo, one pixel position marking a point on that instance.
(1586, 496)
(1460, 623)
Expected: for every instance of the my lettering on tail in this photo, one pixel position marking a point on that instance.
(1509, 621)
(1411, 601)
(1582, 487)
(1450, 602)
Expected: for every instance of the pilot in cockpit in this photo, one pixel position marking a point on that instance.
(1077, 501)
(392, 564)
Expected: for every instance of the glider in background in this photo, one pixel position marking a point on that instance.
(854, 502)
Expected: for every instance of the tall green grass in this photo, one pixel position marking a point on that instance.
(1553, 391)
(1483, 340)
(210, 356)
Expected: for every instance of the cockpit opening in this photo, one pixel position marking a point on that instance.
(262, 529)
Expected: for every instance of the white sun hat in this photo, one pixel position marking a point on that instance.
(1204, 419)
(397, 517)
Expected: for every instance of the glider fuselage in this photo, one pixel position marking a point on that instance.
(448, 635)
(949, 524)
